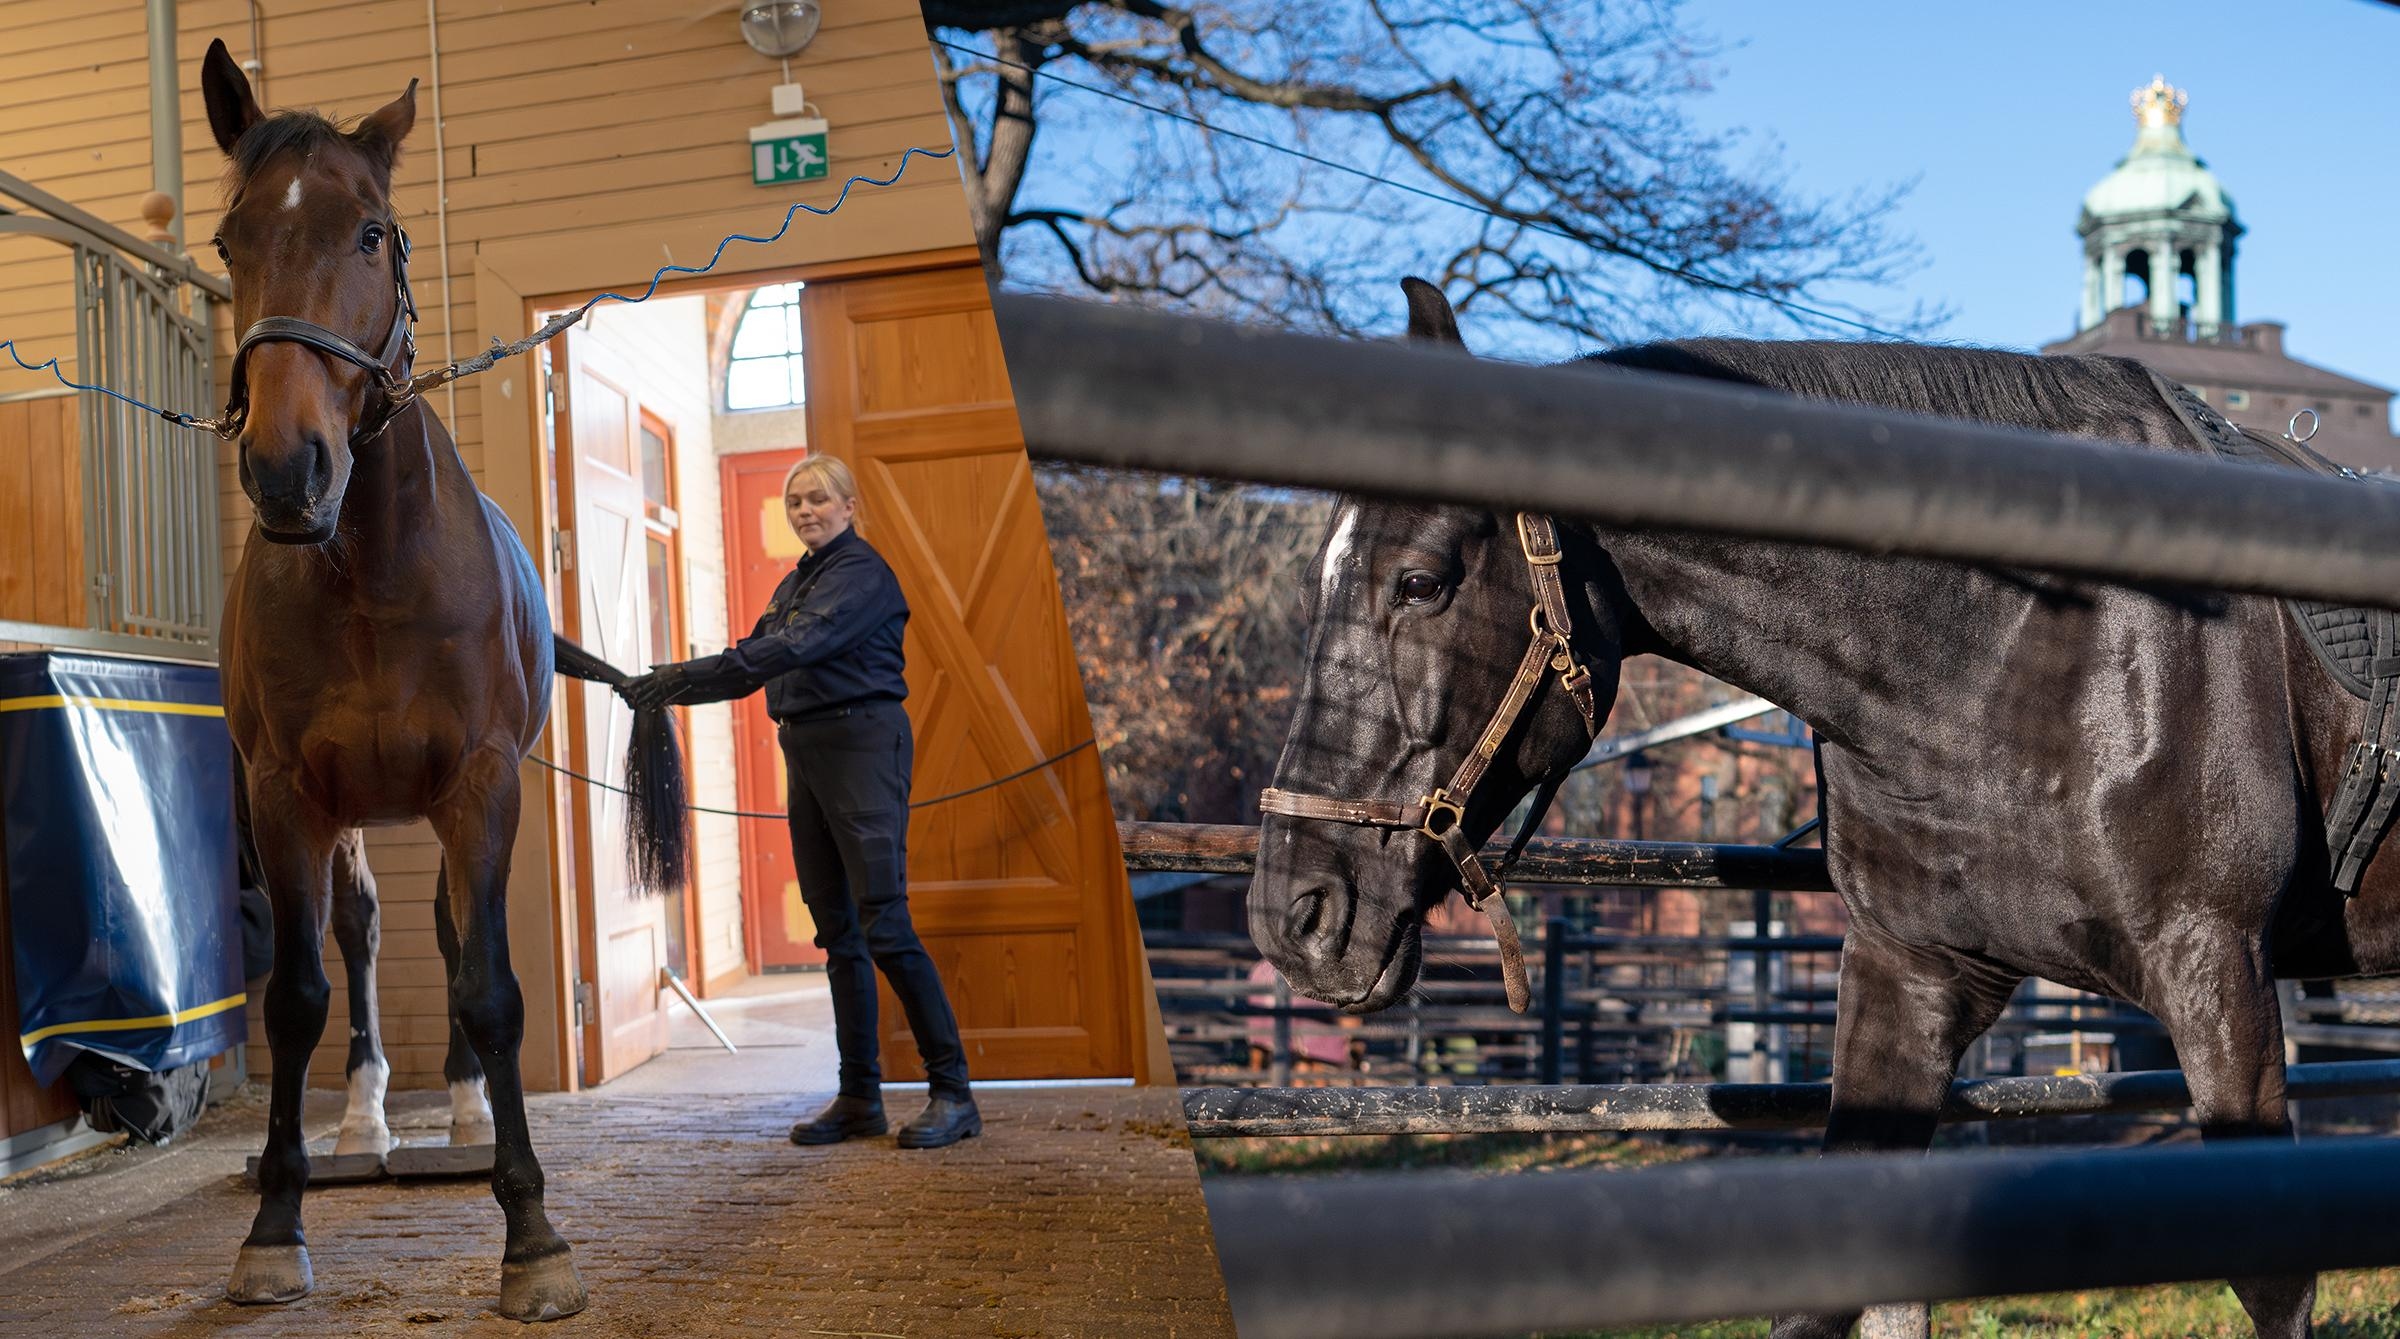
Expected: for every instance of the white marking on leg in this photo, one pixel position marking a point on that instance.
(363, 1128)
(1337, 553)
(291, 195)
(470, 1113)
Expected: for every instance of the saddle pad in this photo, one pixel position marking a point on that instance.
(2339, 634)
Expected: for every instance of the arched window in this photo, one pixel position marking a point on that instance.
(764, 369)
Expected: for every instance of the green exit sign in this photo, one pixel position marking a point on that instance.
(788, 151)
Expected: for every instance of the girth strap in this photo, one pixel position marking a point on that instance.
(2369, 792)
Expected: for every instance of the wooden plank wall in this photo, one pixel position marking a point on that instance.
(613, 130)
(41, 511)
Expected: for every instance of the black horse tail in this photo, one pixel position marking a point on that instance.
(658, 833)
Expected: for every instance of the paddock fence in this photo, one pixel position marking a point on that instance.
(1440, 1254)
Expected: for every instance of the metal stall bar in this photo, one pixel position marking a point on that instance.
(1241, 1113)
(1120, 387)
(118, 535)
(1440, 1253)
(1225, 848)
(179, 267)
(94, 432)
(148, 519)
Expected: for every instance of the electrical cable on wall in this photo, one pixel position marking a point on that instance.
(550, 329)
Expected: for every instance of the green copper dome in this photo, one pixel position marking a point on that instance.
(2160, 175)
(2160, 222)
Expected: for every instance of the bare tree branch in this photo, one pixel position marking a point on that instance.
(1563, 119)
(1592, 209)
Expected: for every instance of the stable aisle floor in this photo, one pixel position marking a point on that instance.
(1078, 1212)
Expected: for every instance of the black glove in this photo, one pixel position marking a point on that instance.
(659, 688)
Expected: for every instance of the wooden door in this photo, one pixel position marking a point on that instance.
(759, 549)
(1019, 890)
(622, 933)
(41, 511)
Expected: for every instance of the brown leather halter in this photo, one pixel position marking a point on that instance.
(394, 389)
(1438, 816)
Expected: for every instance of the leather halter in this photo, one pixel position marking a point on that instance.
(392, 390)
(1439, 816)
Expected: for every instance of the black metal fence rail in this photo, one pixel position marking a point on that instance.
(1143, 390)
(1224, 848)
(1436, 1253)
(1242, 1113)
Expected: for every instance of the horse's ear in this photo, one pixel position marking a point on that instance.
(389, 124)
(232, 107)
(1429, 315)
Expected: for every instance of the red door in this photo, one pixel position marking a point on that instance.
(759, 549)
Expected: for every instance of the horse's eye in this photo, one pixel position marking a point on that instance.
(1420, 587)
(222, 254)
(371, 240)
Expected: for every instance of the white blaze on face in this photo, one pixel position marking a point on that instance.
(291, 195)
(1337, 554)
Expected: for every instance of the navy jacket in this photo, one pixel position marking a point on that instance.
(829, 638)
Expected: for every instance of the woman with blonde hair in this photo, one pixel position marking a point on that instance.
(828, 652)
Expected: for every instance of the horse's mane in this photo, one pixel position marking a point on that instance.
(295, 128)
(2090, 396)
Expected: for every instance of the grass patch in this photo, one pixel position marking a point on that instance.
(1464, 1152)
(2355, 1304)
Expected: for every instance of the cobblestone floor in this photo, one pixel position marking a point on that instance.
(1078, 1213)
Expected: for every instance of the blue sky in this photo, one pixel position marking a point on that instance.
(2002, 116)
(2006, 115)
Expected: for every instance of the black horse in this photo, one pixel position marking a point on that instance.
(2122, 790)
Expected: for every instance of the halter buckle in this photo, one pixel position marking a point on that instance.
(1573, 676)
(1442, 814)
(1525, 542)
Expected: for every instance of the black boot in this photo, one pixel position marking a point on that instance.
(947, 1119)
(845, 1117)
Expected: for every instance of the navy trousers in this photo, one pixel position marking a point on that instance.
(849, 775)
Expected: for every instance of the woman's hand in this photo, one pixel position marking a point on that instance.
(659, 688)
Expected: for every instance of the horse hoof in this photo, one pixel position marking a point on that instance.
(543, 1289)
(266, 1274)
(375, 1140)
(465, 1133)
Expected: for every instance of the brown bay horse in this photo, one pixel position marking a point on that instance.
(2124, 790)
(387, 658)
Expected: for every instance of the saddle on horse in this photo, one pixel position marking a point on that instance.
(2360, 648)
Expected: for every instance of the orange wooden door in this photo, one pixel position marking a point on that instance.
(623, 933)
(760, 549)
(41, 511)
(1019, 891)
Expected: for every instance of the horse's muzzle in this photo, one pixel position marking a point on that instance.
(293, 491)
(1334, 945)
